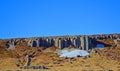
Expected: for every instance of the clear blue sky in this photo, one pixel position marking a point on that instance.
(28, 18)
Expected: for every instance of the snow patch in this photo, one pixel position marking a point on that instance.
(72, 53)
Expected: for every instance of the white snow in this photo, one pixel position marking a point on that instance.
(73, 53)
(100, 46)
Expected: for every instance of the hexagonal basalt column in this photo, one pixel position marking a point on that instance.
(56, 42)
(82, 38)
(78, 43)
(34, 43)
(49, 42)
(65, 43)
(60, 43)
(74, 42)
(87, 42)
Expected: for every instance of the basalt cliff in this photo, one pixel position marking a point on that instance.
(83, 42)
(36, 51)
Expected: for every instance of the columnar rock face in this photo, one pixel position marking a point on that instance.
(84, 42)
(87, 43)
(66, 44)
(34, 43)
(82, 39)
(56, 42)
(60, 42)
(78, 42)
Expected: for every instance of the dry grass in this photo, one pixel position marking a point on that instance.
(46, 57)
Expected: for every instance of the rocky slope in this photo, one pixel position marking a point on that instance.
(14, 57)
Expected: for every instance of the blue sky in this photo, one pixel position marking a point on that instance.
(29, 18)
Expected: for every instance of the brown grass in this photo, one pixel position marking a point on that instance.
(106, 59)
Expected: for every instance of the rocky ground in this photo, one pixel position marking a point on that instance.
(107, 59)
